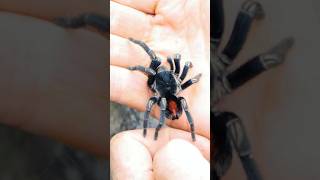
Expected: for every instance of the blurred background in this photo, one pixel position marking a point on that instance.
(124, 118)
(280, 108)
(44, 92)
(29, 157)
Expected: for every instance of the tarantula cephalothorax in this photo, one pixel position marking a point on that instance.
(166, 85)
(228, 131)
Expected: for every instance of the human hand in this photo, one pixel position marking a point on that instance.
(168, 27)
(170, 157)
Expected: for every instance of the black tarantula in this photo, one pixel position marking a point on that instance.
(228, 131)
(166, 85)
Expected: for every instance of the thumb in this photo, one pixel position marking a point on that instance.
(180, 159)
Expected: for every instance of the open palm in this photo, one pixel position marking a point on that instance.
(168, 27)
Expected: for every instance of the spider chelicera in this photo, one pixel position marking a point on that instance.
(228, 131)
(166, 85)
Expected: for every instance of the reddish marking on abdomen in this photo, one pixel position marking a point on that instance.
(173, 107)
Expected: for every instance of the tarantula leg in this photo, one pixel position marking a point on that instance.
(148, 71)
(259, 64)
(176, 59)
(214, 175)
(229, 133)
(97, 21)
(222, 149)
(189, 117)
(185, 70)
(250, 11)
(191, 81)
(163, 106)
(150, 103)
(237, 136)
(218, 23)
(155, 61)
(170, 61)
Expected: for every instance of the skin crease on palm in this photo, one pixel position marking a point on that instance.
(168, 27)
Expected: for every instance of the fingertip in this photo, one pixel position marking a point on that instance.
(179, 159)
(168, 134)
(129, 159)
(128, 88)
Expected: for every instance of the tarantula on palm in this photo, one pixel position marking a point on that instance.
(166, 85)
(228, 131)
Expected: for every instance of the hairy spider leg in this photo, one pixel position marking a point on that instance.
(259, 64)
(218, 23)
(100, 22)
(184, 105)
(155, 61)
(236, 135)
(176, 59)
(149, 106)
(191, 81)
(185, 70)
(222, 149)
(146, 70)
(170, 61)
(250, 11)
(163, 106)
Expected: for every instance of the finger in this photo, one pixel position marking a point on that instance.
(128, 22)
(129, 159)
(180, 159)
(131, 154)
(147, 6)
(136, 162)
(129, 88)
(48, 9)
(165, 135)
(124, 53)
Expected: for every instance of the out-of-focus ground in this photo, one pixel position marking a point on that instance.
(28, 157)
(123, 118)
(281, 108)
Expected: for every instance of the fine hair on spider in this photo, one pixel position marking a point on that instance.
(228, 132)
(166, 84)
